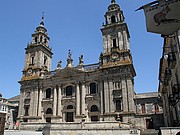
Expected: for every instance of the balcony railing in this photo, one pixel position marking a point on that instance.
(47, 99)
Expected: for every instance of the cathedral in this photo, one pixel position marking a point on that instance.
(98, 92)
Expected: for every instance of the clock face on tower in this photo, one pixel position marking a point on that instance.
(115, 57)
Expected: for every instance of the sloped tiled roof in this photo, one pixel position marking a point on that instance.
(15, 98)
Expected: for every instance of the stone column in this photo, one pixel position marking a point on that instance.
(130, 95)
(124, 96)
(59, 101)
(101, 95)
(106, 96)
(120, 38)
(35, 102)
(55, 101)
(31, 107)
(111, 104)
(21, 104)
(40, 100)
(125, 40)
(77, 99)
(83, 99)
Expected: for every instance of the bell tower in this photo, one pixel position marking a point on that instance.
(116, 46)
(38, 54)
(116, 66)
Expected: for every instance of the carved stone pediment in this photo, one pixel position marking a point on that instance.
(68, 72)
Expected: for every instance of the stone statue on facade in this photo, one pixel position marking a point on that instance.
(59, 65)
(69, 59)
(81, 62)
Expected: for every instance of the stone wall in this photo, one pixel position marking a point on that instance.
(99, 128)
(170, 131)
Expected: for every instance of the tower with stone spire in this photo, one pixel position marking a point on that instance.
(38, 53)
(37, 61)
(115, 38)
(116, 62)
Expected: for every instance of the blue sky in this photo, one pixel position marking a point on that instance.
(75, 25)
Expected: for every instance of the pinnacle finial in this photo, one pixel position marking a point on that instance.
(81, 62)
(69, 54)
(42, 21)
(113, 1)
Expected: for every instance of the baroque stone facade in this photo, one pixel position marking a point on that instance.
(100, 92)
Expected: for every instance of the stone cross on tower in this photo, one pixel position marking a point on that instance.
(42, 21)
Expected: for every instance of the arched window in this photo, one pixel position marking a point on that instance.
(93, 88)
(49, 111)
(26, 111)
(94, 108)
(69, 91)
(35, 39)
(32, 60)
(69, 107)
(45, 60)
(48, 93)
(69, 117)
(113, 19)
(118, 105)
(41, 38)
(45, 40)
(114, 43)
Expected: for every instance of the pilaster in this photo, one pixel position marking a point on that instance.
(59, 101)
(83, 99)
(106, 96)
(55, 101)
(21, 107)
(130, 95)
(40, 100)
(77, 99)
(101, 96)
(111, 96)
(35, 102)
(124, 96)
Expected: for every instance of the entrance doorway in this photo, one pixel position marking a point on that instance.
(149, 124)
(69, 117)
